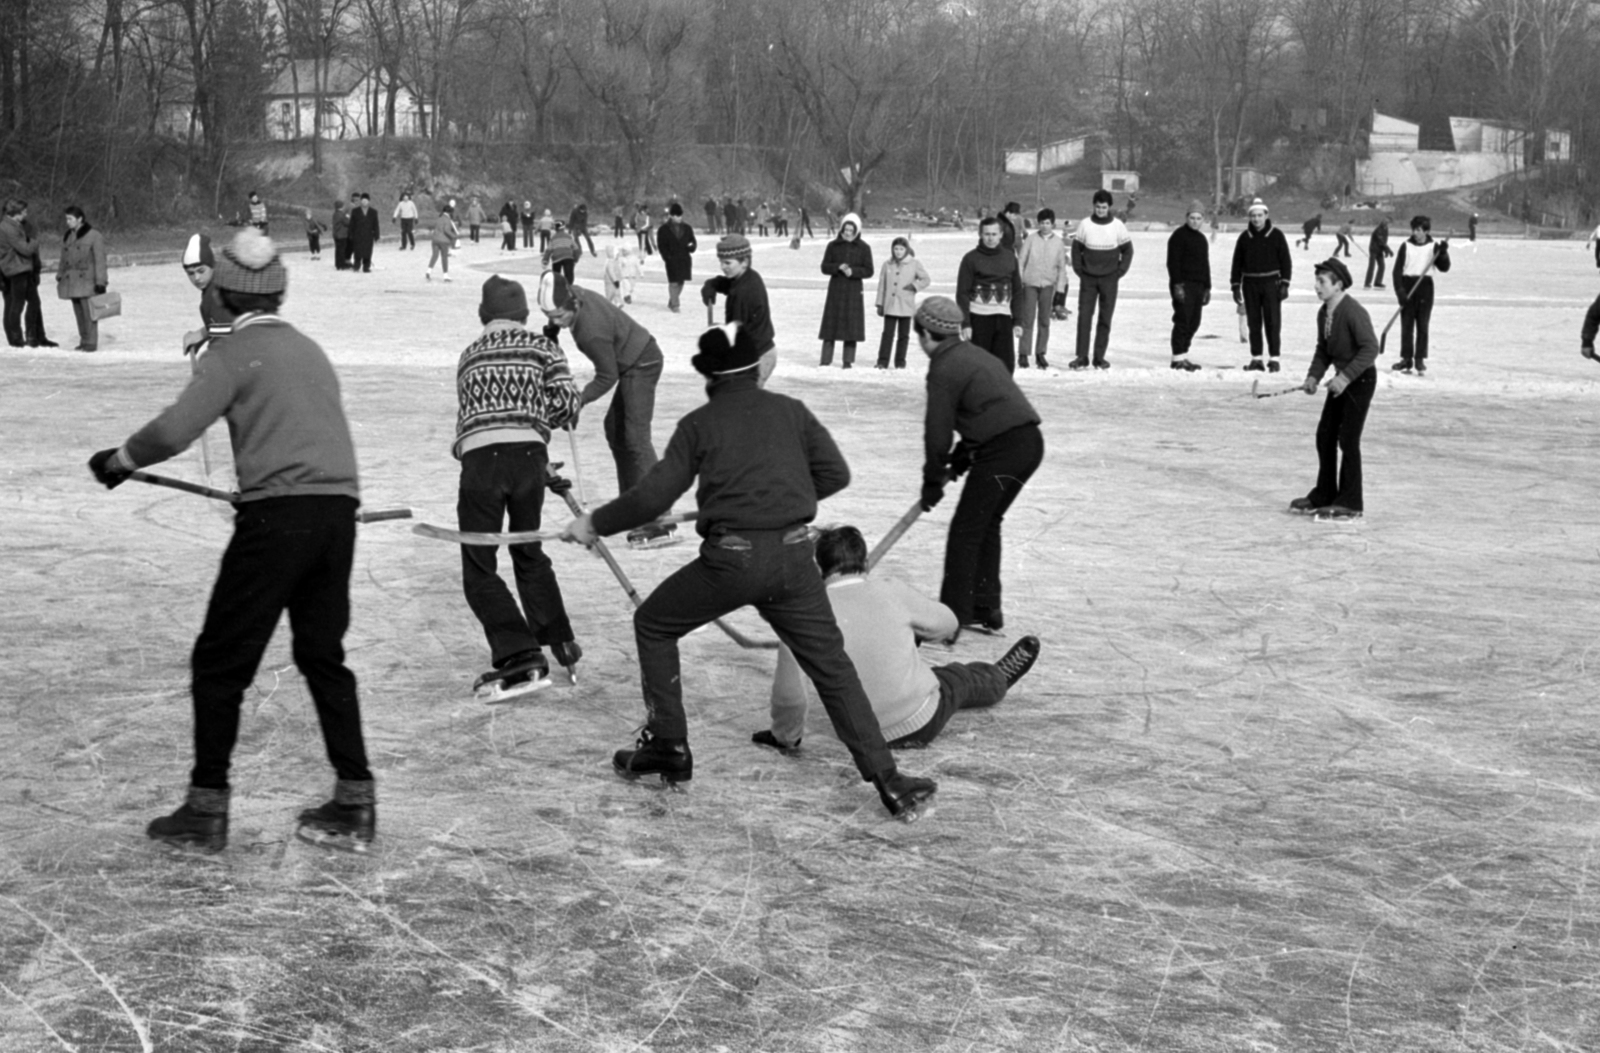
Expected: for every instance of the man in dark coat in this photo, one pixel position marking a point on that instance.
(1189, 278)
(341, 237)
(1378, 251)
(363, 235)
(676, 241)
(578, 225)
(1262, 267)
(711, 215)
(732, 217)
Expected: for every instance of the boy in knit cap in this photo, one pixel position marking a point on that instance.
(883, 621)
(763, 462)
(746, 298)
(971, 397)
(292, 548)
(988, 286)
(1044, 270)
(1102, 252)
(1346, 342)
(1262, 269)
(1189, 278)
(513, 387)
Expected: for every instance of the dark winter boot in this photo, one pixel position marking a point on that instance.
(904, 795)
(669, 758)
(348, 822)
(202, 821)
(849, 354)
(1017, 661)
(1272, 366)
(827, 353)
(1255, 364)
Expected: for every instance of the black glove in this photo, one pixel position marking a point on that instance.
(99, 290)
(559, 485)
(1283, 290)
(553, 332)
(1205, 297)
(931, 496)
(1238, 293)
(1059, 300)
(959, 461)
(105, 471)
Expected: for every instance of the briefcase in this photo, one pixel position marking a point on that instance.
(105, 305)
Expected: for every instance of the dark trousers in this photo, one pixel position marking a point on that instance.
(15, 287)
(1000, 468)
(287, 553)
(1343, 417)
(1415, 313)
(314, 242)
(1342, 244)
(509, 241)
(472, 232)
(88, 328)
(361, 256)
(627, 423)
(896, 332)
(962, 685)
(581, 235)
(992, 332)
(1376, 264)
(1186, 316)
(527, 235)
(341, 254)
(1032, 310)
(1096, 290)
(849, 353)
(544, 241)
(500, 482)
(566, 268)
(772, 570)
(1263, 309)
(408, 234)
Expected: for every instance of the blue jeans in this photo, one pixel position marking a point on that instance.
(627, 423)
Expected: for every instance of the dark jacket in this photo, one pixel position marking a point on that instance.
(1261, 255)
(676, 243)
(341, 224)
(364, 228)
(1188, 258)
(970, 394)
(18, 249)
(844, 313)
(746, 304)
(1348, 344)
(578, 221)
(988, 276)
(762, 459)
(1378, 244)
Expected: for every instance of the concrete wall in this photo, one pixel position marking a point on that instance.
(1422, 170)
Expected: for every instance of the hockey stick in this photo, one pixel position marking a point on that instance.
(515, 537)
(1244, 326)
(711, 314)
(895, 533)
(1255, 389)
(577, 473)
(1384, 336)
(232, 498)
(748, 643)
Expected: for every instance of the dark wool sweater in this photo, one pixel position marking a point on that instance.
(762, 459)
(989, 277)
(969, 394)
(1347, 342)
(1188, 258)
(1262, 254)
(512, 386)
(746, 304)
(280, 396)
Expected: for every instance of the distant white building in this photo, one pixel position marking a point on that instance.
(353, 101)
(1391, 134)
(1484, 151)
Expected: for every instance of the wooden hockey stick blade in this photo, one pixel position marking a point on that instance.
(383, 515)
(187, 487)
(895, 533)
(1255, 389)
(467, 537)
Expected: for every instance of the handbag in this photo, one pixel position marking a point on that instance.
(105, 305)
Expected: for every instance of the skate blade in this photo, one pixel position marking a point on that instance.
(666, 784)
(313, 835)
(655, 542)
(496, 695)
(188, 846)
(916, 811)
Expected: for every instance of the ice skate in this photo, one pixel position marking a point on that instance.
(1337, 514)
(519, 676)
(567, 654)
(907, 797)
(1078, 363)
(1303, 506)
(345, 827)
(670, 759)
(1272, 366)
(1016, 662)
(1186, 366)
(1256, 365)
(654, 536)
(768, 739)
(190, 828)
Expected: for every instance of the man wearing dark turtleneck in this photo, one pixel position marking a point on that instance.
(987, 285)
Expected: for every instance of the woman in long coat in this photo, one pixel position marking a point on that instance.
(847, 262)
(82, 274)
(676, 242)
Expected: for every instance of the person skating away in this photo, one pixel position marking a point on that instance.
(548, 225)
(988, 286)
(883, 621)
(1414, 289)
(81, 273)
(641, 228)
(578, 226)
(1189, 281)
(763, 462)
(901, 279)
(444, 238)
(1260, 276)
(340, 227)
(805, 221)
(1043, 266)
(973, 398)
(563, 253)
(476, 217)
(1102, 252)
(1308, 228)
(744, 298)
(1342, 237)
(676, 241)
(625, 358)
(363, 235)
(847, 261)
(405, 211)
(513, 388)
(1346, 342)
(1378, 252)
(292, 548)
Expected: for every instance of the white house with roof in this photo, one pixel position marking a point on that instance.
(353, 100)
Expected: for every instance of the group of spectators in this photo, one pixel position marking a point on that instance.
(80, 275)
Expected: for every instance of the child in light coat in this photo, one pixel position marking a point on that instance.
(622, 273)
(901, 279)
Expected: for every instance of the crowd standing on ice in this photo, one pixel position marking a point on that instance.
(759, 460)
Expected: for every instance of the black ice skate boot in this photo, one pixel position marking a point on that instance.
(1016, 662)
(201, 821)
(348, 822)
(906, 796)
(669, 758)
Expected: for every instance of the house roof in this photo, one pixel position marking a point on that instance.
(341, 76)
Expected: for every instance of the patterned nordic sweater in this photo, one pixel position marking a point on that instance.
(512, 386)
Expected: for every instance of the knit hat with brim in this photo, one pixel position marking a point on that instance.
(733, 247)
(554, 292)
(197, 253)
(1335, 267)
(251, 265)
(726, 349)
(939, 314)
(503, 298)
